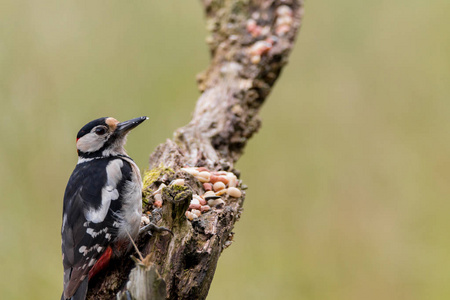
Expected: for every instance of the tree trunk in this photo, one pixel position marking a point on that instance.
(249, 42)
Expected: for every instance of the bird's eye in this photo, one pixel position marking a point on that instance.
(100, 130)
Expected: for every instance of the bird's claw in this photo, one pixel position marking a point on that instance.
(153, 228)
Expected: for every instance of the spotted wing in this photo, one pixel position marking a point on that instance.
(90, 216)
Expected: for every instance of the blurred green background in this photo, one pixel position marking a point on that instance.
(348, 178)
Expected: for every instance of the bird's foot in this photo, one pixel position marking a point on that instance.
(153, 228)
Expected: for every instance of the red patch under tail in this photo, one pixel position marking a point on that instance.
(101, 263)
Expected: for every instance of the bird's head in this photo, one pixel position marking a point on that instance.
(104, 137)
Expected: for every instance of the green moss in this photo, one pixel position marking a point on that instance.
(177, 193)
(150, 176)
(178, 188)
(239, 7)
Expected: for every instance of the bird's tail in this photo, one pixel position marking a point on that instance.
(81, 292)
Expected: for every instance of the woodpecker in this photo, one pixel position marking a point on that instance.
(102, 203)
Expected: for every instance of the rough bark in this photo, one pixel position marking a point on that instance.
(250, 42)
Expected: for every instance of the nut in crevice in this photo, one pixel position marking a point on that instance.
(216, 184)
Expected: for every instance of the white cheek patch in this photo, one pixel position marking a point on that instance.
(91, 142)
(109, 192)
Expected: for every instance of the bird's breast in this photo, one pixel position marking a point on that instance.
(130, 215)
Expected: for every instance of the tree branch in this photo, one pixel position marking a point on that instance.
(250, 42)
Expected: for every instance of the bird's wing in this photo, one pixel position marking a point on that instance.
(90, 216)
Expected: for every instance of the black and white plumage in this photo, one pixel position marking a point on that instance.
(102, 203)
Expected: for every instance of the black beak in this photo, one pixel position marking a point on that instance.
(124, 127)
